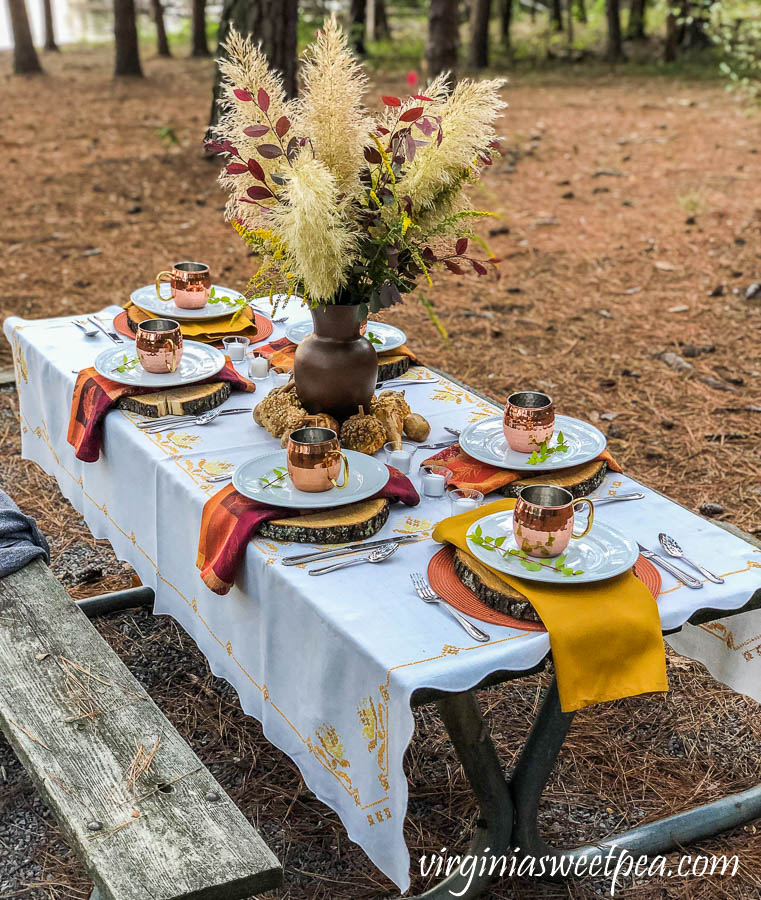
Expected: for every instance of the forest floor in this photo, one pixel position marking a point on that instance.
(628, 224)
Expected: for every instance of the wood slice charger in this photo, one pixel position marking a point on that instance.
(343, 525)
(390, 366)
(579, 480)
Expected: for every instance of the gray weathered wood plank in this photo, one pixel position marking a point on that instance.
(74, 715)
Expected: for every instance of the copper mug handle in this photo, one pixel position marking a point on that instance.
(590, 520)
(346, 468)
(159, 283)
(172, 367)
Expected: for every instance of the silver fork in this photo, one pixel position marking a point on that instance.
(426, 593)
(89, 329)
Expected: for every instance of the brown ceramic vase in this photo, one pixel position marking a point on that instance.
(335, 368)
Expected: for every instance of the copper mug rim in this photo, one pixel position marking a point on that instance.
(159, 326)
(329, 435)
(543, 490)
(190, 266)
(514, 399)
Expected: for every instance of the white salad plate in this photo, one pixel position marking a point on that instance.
(367, 476)
(604, 553)
(382, 336)
(485, 441)
(198, 361)
(145, 297)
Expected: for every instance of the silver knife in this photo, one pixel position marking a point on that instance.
(686, 579)
(350, 548)
(112, 335)
(179, 419)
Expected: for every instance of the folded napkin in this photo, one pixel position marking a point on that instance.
(281, 352)
(20, 539)
(605, 636)
(470, 473)
(229, 521)
(208, 331)
(95, 395)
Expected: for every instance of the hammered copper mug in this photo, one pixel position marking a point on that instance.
(190, 283)
(314, 460)
(529, 420)
(543, 519)
(159, 345)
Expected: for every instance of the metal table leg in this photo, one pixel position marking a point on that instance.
(116, 601)
(670, 833)
(472, 741)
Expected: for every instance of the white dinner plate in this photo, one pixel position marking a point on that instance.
(385, 337)
(198, 361)
(604, 553)
(485, 441)
(145, 297)
(366, 477)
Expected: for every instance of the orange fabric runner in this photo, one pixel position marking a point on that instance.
(281, 352)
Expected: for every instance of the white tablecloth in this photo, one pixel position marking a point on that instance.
(326, 664)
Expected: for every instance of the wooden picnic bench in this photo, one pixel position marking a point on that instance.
(141, 810)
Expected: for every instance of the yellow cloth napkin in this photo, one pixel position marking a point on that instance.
(606, 636)
(208, 331)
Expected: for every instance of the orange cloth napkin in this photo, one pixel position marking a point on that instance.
(470, 473)
(605, 636)
(280, 353)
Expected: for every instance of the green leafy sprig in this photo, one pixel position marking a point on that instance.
(530, 563)
(127, 364)
(544, 452)
(276, 473)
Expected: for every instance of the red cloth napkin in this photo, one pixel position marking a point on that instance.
(95, 395)
(280, 353)
(230, 520)
(475, 475)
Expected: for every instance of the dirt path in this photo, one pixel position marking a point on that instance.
(623, 204)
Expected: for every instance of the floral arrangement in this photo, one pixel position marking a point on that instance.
(339, 206)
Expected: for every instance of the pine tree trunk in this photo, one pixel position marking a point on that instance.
(358, 15)
(162, 44)
(582, 7)
(382, 25)
(125, 38)
(269, 22)
(50, 43)
(443, 37)
(569, 22)
(635, 28)
(505, 20)
(25, 59)
(672, 36)
(480, 13)
(199, 46)
(615, 50)
(556, 13)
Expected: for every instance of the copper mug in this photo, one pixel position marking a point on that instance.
(529, 420)
(159, 345)
(543, 519)
(314, 460)
(190, 283)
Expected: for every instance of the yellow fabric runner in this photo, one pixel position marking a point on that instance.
(208, 331)
(606, 636)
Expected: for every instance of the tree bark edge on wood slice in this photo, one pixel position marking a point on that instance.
(392, 366)
(345, 525)
(491, 590)
(189, 400)
(579, 480)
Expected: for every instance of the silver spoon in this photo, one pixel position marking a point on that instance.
(673, 549)
(637, 495)
(203, 419)
(377, 556)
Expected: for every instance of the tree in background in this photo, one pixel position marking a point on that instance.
(382, 25)
(635, 27)
(271, 23)
(556, 14)
(161, 38)
(25, 59)
(443, 37)
(615, 48)
(125, 38)
(357, 25)
(480, 13)
(505, 21)
(199, 46)
(47, 13)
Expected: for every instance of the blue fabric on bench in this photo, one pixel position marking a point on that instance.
(20, 539)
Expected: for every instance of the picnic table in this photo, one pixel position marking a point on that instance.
(333, 667)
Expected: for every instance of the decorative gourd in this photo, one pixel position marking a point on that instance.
(323, 420)
(391, 409)
(273, 412)
(363, 433)
(416, 427)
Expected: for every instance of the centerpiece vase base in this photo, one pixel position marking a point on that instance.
(335, 368)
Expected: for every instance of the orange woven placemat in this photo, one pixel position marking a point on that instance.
(445, 582)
